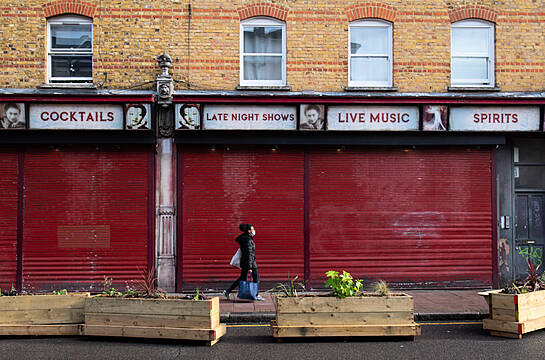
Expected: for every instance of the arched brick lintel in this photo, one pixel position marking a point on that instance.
(263, 9)
(371, 10)
(61, 7)
(473, 12)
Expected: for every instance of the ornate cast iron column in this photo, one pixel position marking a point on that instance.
(165, 160)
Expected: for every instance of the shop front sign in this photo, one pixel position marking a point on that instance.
(253, 117)
(372, 118)
(494, 118)
(76, 117)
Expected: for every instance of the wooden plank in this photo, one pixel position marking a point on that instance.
(533, 325)
(43, 316)
(43, 330)
(487, 295)
(44, 302)
(503, 314)
(506, 334)
(531, 299)
(338, 318)
(499, 325)
(220, 330)
(153, 332)
(503, 301)
(173, 321)
(531, 312)
(355, 304)
(150, 306)
(334, 330)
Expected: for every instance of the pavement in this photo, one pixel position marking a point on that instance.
(429, 305)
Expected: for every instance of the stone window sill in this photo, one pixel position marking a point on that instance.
(264, 88)
(474, 88)
(373, 88)
(68, 86)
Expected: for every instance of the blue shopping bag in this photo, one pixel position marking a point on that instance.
(247, 290)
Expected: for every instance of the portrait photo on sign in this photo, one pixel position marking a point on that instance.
(12, 116)
(311, 117)
(188, 116)
(137, 116)
(434, 118)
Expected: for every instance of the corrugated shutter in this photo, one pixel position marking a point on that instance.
(408, 216)
(86, 216)
(222, 188)
(8, 218)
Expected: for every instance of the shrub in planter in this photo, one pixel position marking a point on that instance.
(59, 313)
(517, 309)
(346, 311)
(151, 313)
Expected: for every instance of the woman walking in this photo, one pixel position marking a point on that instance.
(247, 258)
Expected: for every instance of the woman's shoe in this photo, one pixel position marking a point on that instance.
(259, 298)
(226, 294)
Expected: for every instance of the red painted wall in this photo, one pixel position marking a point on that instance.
(8, 218)
(86, 211)
(418, 216)
(222, 188)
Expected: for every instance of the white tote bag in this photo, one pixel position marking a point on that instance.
(235, 261)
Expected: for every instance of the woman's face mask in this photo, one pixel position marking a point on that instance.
(252, 232)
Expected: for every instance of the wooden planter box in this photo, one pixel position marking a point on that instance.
(512, 315)
(42, 314)
(154, 318)
(369, 315)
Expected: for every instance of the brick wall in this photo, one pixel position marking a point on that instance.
(129, 34)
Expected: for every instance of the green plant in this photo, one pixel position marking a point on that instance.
(11, 292)
(131, 293)
(108, 290)
(381, 288)
(148, 284)
(289, 288)
(520, 290)
(343, 285)
(60, 292)
(533, 281)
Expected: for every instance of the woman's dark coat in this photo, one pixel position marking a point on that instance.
(247, 249)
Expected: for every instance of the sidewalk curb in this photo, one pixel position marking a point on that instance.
(265, 317)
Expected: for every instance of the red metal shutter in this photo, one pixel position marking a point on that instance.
(222, 188)
(8, 218)
(86, 216)
(408, 216)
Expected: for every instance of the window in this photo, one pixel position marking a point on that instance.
(370, 53)
(472, 53)
(263, 52)
(70, 49)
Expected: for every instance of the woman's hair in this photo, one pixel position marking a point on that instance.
(11, 105)
(312, 107)
(245, 227)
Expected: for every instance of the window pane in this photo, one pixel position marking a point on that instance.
(530, 177)
(71, 36)
(469, 68)
(263, 39)
(71, 66)
(531, 150)
(369, 69)
(466, 41)
(262, 68)
(369, 40)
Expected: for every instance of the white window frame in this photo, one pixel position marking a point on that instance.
(67, 20)
(262, 21)
(487, 53)
(376, 23)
